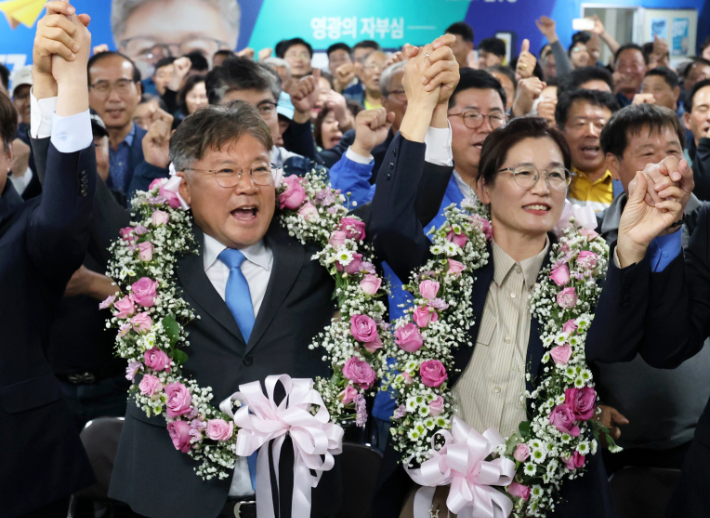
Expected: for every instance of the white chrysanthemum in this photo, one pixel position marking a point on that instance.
(529, 469)
(583, 448)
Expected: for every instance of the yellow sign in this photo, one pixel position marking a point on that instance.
(23, 12)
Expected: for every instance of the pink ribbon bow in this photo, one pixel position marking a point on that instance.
(584, 217)
(462, 463)
(260, 420)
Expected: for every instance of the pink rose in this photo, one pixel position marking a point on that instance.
(569, 327)
(149, 385)
(157, 183)
(433, 373)
(560, 275)
(429, 289)
(124, 307)
(107, 302)
(159, 218)
(408, 338)
(144, 292)
(589, 233)
(132, 369)
(457, 239)
(180, 434)
(337, 238)
(581, 401)
(348, 395)
(484, 225)
(575, 461)
(436, 406)
(561, 354)
(455, 267)
(142, 323)
(145, 251)
(370, 284)
(353, 228)
(359, 372)
(519, 491)
(400, 412)
(522, 452)
(364, 330)
(171, 197)
(294, 195)
(353, 266)
(308, 211)
(567, 298)
(141, 230)
(219, 430)
(179, 399)
(156, 359)
(562, 418)
(125, 234)
(424, 315)
(587, 259)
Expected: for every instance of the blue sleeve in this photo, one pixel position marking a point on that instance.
(354, 178)
(664, 249)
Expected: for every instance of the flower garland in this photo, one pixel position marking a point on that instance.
(151, 315)
(553, 445)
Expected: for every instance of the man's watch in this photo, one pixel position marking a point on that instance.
(678, 223)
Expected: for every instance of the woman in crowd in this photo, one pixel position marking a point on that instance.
(192, 96)
(327, 131)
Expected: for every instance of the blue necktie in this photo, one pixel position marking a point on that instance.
(238, 299)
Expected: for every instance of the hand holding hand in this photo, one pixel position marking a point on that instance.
(371, 128)
(71, 71)
(443, 71)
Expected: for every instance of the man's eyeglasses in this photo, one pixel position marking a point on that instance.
(557, 178)
(149, 50)
(267, 109)
(474, 120)
(122, 87)
(230, 178)
(400, 94)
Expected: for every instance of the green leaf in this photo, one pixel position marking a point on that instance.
(179, 356)
(172, 329)
(524, 428)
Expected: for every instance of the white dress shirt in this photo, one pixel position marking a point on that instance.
(68, 134)
(257, 271)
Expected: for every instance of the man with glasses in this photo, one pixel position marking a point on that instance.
(581, 116)
(369, 73)
(114, 93)
(149, 30)
(298, 54)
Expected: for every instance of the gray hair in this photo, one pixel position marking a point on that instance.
(213, 127)
(277, 62)
(121, 10)
(387, 75)
(241, 74)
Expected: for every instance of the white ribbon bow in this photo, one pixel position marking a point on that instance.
(462, 463)
(584, 217)
(260, 420)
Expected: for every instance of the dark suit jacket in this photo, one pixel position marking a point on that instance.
(399, 239)
(42, 242)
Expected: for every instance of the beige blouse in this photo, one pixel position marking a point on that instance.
(491, 390)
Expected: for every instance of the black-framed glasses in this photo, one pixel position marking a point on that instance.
(267, 109)
(229, 178)
(526, 176)
(474, 120)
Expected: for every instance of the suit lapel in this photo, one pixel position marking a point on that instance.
(479, 293)
(191, 272)
(288, 260)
